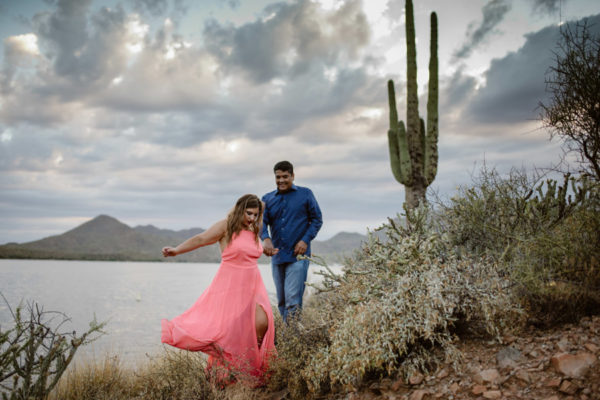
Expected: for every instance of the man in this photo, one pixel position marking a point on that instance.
(293, 217)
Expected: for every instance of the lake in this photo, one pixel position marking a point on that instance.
(131, 296)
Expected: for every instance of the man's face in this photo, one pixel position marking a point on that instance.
(283, 180)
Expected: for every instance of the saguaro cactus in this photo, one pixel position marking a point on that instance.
(413, 150)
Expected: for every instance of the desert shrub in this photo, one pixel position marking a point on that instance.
(544, 235)
(172, 374)
(496, 212)
(395, 310)
(297, 343)
(558, 270)
(36, 350)
(104, 380)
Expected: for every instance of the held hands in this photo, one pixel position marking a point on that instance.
(268, 248)
(169, 252)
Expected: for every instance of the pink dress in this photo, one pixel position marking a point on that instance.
(222, 321)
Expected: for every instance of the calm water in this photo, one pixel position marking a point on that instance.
(132, 296)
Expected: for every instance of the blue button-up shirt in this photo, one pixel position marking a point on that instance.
(291, 216)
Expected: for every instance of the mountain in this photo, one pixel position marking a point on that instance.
(106, 238)
(339, 246)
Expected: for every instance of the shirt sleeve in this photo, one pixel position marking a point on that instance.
(315, 218)
(264, 232)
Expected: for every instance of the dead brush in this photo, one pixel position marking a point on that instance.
(103, 380)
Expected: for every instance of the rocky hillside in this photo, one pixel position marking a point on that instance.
(557, 364)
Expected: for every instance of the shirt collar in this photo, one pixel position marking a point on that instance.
(294, 187)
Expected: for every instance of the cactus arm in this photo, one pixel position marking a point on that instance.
(399, 156)
(423, 144)
(404, 155)
(431, 149)
(412, 103)
(392, 104)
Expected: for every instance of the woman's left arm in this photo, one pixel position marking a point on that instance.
(208, 237)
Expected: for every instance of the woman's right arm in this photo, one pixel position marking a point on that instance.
(209, 236)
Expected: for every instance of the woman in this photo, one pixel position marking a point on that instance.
(232, 320)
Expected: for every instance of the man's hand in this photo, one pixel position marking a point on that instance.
(268, 248)
(300, 248)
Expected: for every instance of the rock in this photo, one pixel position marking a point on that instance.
(555, 382)
(564, 345)
(592, 347)
(508, 339)
(443, 373)
(534, 354)
(508, 357)
(478, 389)
(574, 366)
(555, 397)
(492, 394)
(416, 379)
(488, 375)
(454, 387)
(568, 387)
(418, 394)
(523, 376)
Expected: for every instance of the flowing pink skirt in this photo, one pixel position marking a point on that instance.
(221, 323)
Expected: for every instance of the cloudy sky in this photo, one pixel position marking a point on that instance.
(164, 112)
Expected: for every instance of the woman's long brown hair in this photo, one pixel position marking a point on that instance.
(236, 216)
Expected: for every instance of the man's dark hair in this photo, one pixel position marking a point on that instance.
(284, 166)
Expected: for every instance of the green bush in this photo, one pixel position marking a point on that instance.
(543, 235)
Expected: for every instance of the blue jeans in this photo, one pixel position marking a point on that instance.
(289, 282)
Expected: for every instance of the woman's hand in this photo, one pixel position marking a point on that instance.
(169, 252)
(268, 248)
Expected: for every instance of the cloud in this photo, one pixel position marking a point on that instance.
(394, 10)
(19, 52)
(456, 91)
(233, 4)
(154, 7)
(493, 13)
(515, 84)
(289, 39)
(175, 9)
(547, 6)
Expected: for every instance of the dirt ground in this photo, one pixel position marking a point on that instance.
(556, 364)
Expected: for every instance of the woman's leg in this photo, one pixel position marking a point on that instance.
(262, 323)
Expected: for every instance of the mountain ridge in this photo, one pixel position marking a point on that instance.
(106, 238)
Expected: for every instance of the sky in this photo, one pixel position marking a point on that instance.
(164, 112)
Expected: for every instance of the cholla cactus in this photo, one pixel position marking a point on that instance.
(413, 150)
(34, 354)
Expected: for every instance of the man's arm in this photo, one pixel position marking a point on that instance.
(268, 248)
(314, 216)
